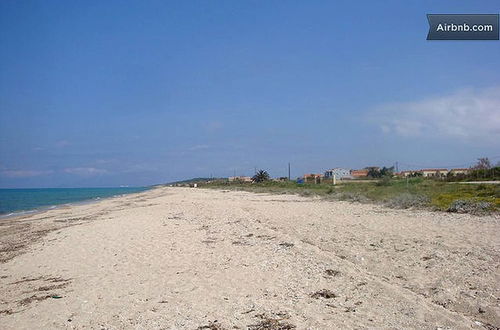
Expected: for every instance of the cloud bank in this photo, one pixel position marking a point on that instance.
(470, 114)
(85, 171)
(24, 173)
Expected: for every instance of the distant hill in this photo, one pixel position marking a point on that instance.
(188, 181)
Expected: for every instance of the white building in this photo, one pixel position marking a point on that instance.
(240, 179)
(339, 173)
(434, 172)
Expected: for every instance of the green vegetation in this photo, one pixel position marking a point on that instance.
(477, 174)
(188, 182)
(397, 193)
(380, 173)
(261, 176)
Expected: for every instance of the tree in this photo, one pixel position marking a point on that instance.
(379, 173)
(387, 171)
(261, 176)
(482, 164)
(374, 173)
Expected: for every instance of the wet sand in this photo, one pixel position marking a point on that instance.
(185, 258)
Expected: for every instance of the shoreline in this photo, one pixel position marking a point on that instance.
(36, 218)
(186, 258)
(49, 207)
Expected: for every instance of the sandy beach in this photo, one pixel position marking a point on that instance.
(185, 258)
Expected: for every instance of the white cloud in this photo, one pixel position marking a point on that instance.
(213, 126)
(62, 143)
(105, 161)
(24, 173)
(85, 171)
(470, 114)
(199, 147)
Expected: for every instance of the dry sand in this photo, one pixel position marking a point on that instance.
(181, 258)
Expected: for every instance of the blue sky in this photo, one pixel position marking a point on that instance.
(106, 93)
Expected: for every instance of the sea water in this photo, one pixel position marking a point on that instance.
(13, 201)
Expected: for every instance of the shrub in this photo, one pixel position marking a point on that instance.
(407, 200)
(352, 197)
(469, 206)
(385, 181)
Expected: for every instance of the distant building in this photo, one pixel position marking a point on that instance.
(459, 171)
(434, 172)
(240, 179)
(312, 178)
(411, 173)
(357, 174)
(339, 173)
(405, 174)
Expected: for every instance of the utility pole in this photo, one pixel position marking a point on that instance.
(289, 171)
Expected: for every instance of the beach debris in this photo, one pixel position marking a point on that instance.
(272, 323)
(240, 243)
(27, 279)
(266, 237)
(6, 312)
(324, 293)
(332, 272)
(55, 296)
(29, 300)
(211, 326)
(209, 240)
(286, 244)
(52, 287)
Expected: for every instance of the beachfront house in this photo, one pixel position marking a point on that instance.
(240, 179)
(459, 171)
(339, 173)
(434, 172)
(312, 178)
(405, 174)
(359, 174)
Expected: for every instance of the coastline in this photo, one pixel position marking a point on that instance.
(38, 217)
(44, 208)
(185, 258)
